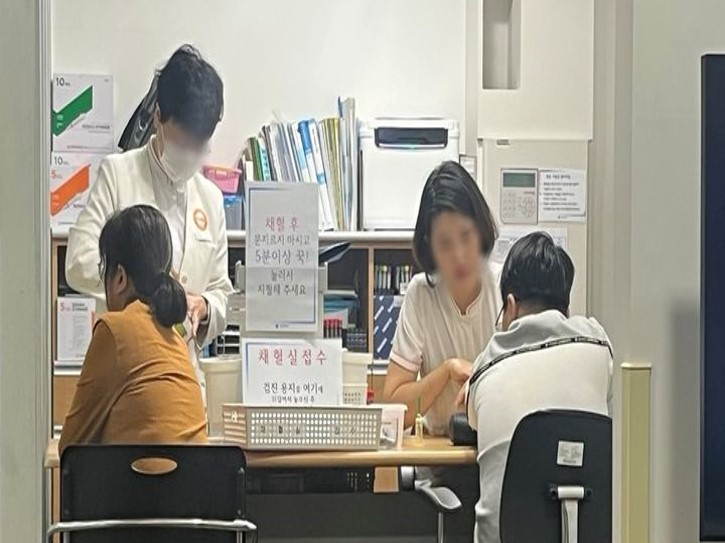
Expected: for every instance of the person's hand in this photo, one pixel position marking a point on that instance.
(460, 402)
(459, 370)
(197, 310)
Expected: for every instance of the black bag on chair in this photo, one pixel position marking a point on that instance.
(140, 126)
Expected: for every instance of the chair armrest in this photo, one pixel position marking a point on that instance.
(238, 525)
(442, 498)
(406, 477)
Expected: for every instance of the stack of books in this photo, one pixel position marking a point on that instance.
(311, 151)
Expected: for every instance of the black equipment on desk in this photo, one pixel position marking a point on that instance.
(460, 431)
(159, 493)
(558, 479)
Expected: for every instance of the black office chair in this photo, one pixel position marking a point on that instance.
(152, 494)
(558, 480)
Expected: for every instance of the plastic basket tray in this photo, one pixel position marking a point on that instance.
(302, 428)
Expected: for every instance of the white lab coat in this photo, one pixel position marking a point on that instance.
(127, 179)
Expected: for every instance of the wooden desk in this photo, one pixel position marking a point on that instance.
(435, 451)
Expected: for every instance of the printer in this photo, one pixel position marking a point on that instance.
(398, 155)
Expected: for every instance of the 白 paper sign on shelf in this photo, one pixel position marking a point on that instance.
(508, 235)
(75, 316)
(282, 257)
(82, 113)
(71, 177)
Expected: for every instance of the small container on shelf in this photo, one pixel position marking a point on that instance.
(227, 179)
(223, 385)
(234, 211)
(333, 328)
(355, 367)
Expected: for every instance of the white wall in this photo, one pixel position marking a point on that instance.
(24, 274)
(402, 57)
(649, 261)
(609, 198)
(669, 38)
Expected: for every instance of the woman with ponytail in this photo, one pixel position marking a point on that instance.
(137, 384)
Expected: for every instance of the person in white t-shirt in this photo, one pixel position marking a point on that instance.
(449, 310)
(543, 359)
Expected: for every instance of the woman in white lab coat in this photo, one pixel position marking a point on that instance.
(165, 173)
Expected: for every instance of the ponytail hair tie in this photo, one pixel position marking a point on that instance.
(159, 280)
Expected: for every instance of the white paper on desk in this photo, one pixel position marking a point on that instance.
(282, 257)
(562, 196)
(75, 318)
(292, 372)
(508, 235)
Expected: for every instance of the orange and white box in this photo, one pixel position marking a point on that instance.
(71, 177)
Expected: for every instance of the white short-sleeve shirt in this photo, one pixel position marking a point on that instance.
(431, 329)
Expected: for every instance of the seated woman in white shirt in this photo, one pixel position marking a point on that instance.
(449, 311)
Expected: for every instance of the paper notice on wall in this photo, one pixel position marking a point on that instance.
(82, 113)
(72, 175)
(292, 372)
(75, 318)
(282, 257)
(508, 235)
(562, 196)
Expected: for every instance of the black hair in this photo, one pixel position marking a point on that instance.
(537, 271)
(190, 92)
(138, 238)
(450, 188)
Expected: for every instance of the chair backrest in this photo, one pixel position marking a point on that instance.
(119, 482)
(544, 453)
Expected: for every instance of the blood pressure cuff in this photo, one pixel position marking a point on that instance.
(460, 431)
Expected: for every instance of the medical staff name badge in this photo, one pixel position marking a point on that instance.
(200, 219)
